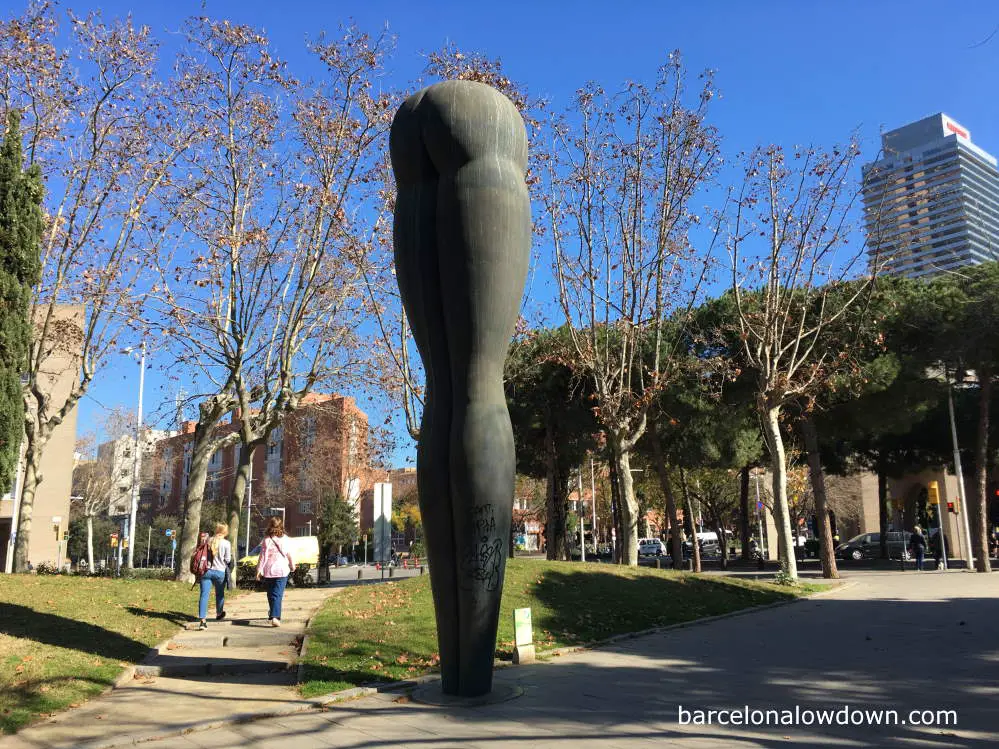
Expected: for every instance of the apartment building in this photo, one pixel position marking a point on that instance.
(319, 448)
(50, 518)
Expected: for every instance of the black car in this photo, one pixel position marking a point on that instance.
(868, 546)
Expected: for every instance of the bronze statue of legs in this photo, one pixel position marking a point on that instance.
(462, 243)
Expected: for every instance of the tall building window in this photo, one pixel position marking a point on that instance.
(188, 453)
(352, 446)
(273, 463)
(307, 430)
(166, 473)
(213, 486)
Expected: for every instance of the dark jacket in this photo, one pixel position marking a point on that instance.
(917, 543)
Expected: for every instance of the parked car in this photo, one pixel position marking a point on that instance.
(708, 541)
(868, 546)
(651, 547)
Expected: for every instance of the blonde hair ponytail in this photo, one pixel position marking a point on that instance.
(221, 529)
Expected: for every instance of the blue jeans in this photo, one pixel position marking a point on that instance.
(275, 592)
(212, 578)
(920, 555)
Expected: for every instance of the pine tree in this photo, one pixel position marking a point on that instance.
(20, 269)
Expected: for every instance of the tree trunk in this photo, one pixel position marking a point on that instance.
(239, 484)
(556, 496)
(628, 505)
(778, 466)
(691, 522)
(883, 510)
(556, 508)
(827, 551)
(980, 528)
(90, 544)
(193, 498)
(744, 526)
(29, 486)
(659, 462)
(615, 500)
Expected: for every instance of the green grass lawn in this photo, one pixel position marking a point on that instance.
(65, 639)
(387, 632)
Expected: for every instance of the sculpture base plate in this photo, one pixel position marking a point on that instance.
(431, 694)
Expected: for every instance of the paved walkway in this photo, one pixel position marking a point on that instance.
(887, 640)
(240, 666)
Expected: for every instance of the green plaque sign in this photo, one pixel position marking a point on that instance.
(522, 627)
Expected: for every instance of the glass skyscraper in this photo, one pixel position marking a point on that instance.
(931, 202)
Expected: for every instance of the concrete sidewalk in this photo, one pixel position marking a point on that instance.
(240, 666)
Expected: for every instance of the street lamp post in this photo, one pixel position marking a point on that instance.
(759, 518)
(960, 477)
(137, 456)
(593, 499)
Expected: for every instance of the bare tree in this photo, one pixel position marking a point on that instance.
(276, 211)
(622, 173)
(105, 140)
(790, 252)
(93, 485)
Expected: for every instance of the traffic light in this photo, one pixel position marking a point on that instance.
(950, 507)
(933, 493)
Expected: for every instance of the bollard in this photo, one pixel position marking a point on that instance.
(421, 569)
(360, 573)
(391, 571)
(657, 563)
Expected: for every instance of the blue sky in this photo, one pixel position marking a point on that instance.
(788, 72)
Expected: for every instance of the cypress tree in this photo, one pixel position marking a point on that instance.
(20, 269)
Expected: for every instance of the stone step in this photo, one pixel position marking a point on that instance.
(233, 638)
(200, 662)
(256, 622)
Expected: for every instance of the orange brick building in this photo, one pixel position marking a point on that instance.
(319, 448)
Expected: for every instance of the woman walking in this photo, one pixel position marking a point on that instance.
(273, 567)
(917, 544)
(219, 558)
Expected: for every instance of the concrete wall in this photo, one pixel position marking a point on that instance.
(51, 508)
(909, 489)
